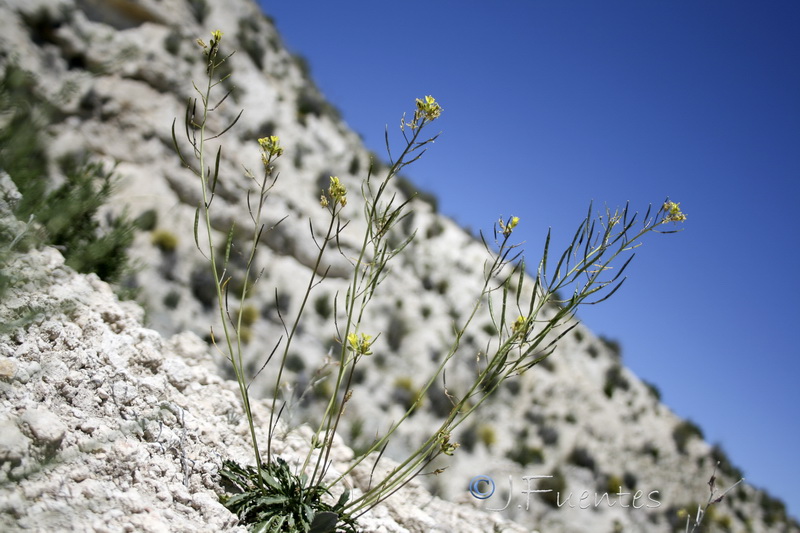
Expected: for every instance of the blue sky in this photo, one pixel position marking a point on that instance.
(548, 105)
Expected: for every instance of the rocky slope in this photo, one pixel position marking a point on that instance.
(107, 426)
(119, 73)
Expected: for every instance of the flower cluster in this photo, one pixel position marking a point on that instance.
(211, 49)
(673, 212)
(427, 110)
(271, 146)
(508, 227)
(270, 149)
(519, 327)
(337, 193)
(216, 37)
(360, 345)
(447, 447)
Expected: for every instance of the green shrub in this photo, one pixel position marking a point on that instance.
(581, 457)
(147, 221)
(653, 389)
(322, 305)
(164, 240)
(295, 363)
(556, 485)
(468, 438)
(249, 314)
(652, 450)
(630, 480)
(487, 435)
(395, 333)
(489, 329)
(524, 455)
(405, 393)
(246, 335)
(173, 41)
(172, 299)
(685, 431)
(249, 38)
(774, 510)
(200, 9)
(411, 191)
(613, 346)
(434, 230)
(69, 218)
(201, 283)
(68, 215)
(614, 484)
(548, 434)
(615, 380)
(355, 165)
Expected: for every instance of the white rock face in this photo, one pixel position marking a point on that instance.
(107, 425)
(113, 428)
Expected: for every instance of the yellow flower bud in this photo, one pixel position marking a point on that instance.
(673, 212)
(271, 146)
(519, 325)
(508, 227)
(359, 345)
(337, 192)
(428, 108)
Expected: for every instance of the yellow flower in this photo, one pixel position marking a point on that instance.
(673, 212)
(211, 50)
(271, 146)
(428, 108)
(508, 227)
(519, 325)
(360, 345)
(337, 192)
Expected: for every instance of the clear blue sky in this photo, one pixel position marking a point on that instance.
(548, 105)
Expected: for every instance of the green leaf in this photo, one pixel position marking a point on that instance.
(271, 500)
(342, 499)
(324, 522)
(216, 172)
(261, 527)
(236, 499)
(196, 222)
(269, 480)
(228, 244)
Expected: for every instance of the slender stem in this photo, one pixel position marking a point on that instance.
(312, 279)
(235, 357)
(330, 420)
